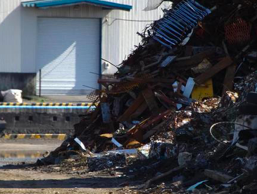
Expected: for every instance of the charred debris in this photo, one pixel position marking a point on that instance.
(181, 109)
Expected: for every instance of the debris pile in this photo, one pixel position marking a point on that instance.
(162, 108)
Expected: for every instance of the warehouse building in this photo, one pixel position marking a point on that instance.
(61, 47)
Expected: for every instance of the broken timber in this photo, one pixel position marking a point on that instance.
(225, 62)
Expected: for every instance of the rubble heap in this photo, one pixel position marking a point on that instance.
(164, 103)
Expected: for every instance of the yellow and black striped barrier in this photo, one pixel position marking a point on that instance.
(21, 155)
(35, 136)
(44, 104)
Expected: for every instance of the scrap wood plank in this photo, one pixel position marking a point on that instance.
(165, 99)
(165, 174)
(154, 130)
(181, 79)
(137, 103)
(229, 79)
(111, 127)
(90, 126)
(189, 62)
(179, 88)
(188, 51)
(137, 131)
(139, 111)
(150, 100)
(162, 80)
(108, 81)
(224, 62)
(217, 176)
(156, 119)
(137, 127)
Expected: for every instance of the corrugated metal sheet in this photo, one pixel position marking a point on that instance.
(29, 27)
(18, 30)
(10, 42)
(68, 51)
(120, 30)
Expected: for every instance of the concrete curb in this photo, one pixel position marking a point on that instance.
(44, 104)
(35, 136)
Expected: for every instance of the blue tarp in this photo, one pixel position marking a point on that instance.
(55, 3)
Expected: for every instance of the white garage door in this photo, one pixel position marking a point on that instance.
(68, 54)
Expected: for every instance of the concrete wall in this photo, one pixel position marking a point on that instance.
(29, 121)
(18, 31)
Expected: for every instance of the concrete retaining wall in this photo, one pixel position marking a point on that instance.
(41, 120)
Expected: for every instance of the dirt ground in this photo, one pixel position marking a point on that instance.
(25, 181)
(23, 178)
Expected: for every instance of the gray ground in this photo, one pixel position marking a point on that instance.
(18, 179)
(13, 151)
